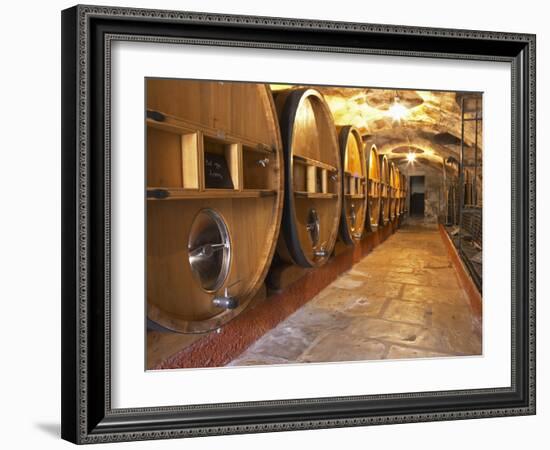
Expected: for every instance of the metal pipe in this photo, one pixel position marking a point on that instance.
(461, 176)
(475, 155)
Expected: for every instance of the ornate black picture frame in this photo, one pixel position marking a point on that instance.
(87, 34)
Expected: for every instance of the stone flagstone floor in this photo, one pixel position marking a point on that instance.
(403, 300)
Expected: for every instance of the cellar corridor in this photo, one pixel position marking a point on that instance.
(403, 300)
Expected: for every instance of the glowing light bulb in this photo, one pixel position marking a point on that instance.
(397, 111)
(411, 157)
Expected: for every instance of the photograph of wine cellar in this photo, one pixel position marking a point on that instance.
(294, 224)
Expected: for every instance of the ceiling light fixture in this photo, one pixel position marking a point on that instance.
(411, 156)
(397, 111)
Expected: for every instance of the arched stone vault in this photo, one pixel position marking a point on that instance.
(432, 120)
(387, 142)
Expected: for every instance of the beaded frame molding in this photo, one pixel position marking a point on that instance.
(87, 35)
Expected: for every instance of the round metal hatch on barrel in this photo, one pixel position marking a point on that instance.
(354, 174)
(214, 199)
(209, 249)
(313, 194)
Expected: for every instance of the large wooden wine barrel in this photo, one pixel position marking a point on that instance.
(312, 177)
(395, 187)
(374, 187)
(354, 174)
(214, 199)
(385, 191)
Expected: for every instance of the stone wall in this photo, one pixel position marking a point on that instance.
(435, 202)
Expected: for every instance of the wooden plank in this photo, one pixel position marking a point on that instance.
(324, 181)
(311, 178)
(351, 185)
(170, 127)
(354, 175)
(320, 195)
(175, 125)
(190, 160)
(258, 148)
(164, 159)
(313, 162)
(355, 196)
(200, 159)
(234, 158)
(190, 194)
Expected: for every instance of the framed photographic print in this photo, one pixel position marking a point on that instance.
(281, 224)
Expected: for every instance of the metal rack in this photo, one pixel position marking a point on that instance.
(450, 183)
(469, 237)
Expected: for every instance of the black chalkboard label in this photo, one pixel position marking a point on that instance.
(216, 172)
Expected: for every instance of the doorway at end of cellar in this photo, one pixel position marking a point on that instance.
(417, 190)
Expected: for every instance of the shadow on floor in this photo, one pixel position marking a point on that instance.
(52, 429)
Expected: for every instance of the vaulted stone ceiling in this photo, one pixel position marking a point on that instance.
(431, 125)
